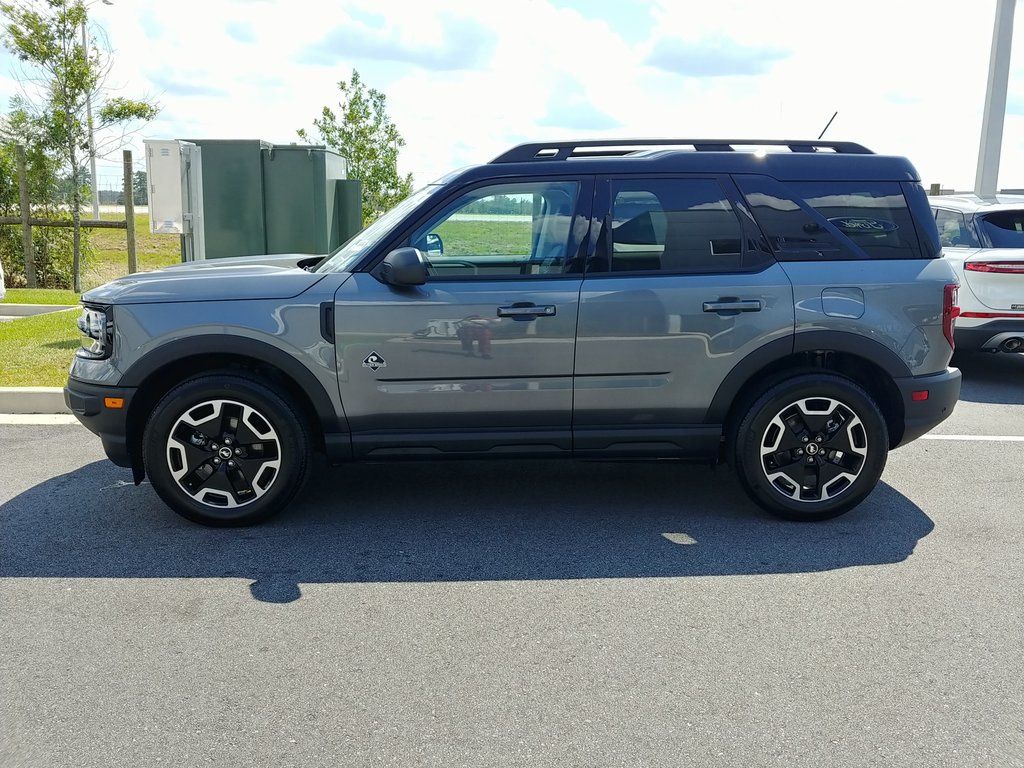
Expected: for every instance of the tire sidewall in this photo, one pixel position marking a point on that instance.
(282, 418)
(761, 413)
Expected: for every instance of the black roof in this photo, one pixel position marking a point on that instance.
(802, 160)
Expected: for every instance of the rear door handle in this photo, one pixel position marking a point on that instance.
(733, 305)
(525, 311)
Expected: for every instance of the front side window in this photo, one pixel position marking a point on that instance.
(953, 230)
(673, 225)
(1003, 229)
(502, 230)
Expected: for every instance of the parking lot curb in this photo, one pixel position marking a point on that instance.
(32, 400)
(27, 310)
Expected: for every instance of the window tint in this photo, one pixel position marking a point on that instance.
(874, 215)
(793, 231)
(953, 230)
(673, 225)
(1004, 229)
(507, 229)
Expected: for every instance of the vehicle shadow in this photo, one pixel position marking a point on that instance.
(992, 378)
(446, 521)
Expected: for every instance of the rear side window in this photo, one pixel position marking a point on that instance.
(953, 230)
(874, 215)
(673, 225)
(821, 220)
(1003, 229)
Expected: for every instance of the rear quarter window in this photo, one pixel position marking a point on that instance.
(824, 220)
(874, 215)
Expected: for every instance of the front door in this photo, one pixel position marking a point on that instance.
(480, 358)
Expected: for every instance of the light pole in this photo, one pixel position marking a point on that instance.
(92, 141)
(986, 180)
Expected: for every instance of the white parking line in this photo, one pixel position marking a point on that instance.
(37, 419)
(979, 438)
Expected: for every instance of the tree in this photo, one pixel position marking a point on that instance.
(61, 74)
(366, 136)
(140, 188)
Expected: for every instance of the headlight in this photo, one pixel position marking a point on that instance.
(97, 327)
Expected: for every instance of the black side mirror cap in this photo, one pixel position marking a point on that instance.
(404, 267)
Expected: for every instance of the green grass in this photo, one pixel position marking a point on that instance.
(110, 251)
(39, 296)
(36, 351)
(464, 238)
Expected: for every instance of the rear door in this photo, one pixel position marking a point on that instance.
(479, 358)
(679, 290)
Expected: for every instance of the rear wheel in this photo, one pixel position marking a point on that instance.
(225, 450)
(811, 447)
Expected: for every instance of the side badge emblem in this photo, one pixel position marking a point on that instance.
(374, 362)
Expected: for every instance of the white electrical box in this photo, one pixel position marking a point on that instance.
(164, 173)
(174, 172)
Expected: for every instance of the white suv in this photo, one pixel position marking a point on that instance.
(983, 239)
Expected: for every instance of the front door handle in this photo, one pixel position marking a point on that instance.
(526, 311)
(733, 305)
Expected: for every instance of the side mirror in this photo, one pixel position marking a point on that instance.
(433, 244)
(404, 267)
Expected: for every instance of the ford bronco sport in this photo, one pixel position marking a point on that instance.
(779, 305)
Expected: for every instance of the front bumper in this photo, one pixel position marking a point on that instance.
(86, 401)
(920, 416)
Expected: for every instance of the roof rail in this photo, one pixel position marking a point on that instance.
(563, 150)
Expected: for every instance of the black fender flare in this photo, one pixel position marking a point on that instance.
(804, 341)
(243, 346)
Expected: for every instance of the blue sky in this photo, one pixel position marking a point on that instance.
(465, 79)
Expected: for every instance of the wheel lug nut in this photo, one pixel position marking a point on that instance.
(216, 460)
(817, 439)
(231, 463)
(237, 451)
(804, 438)
(214, 446)
(810, 459)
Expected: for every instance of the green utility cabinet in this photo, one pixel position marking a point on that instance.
(260, 198)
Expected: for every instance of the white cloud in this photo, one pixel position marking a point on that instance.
(465, 79)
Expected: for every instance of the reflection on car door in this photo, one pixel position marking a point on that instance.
(480, 357)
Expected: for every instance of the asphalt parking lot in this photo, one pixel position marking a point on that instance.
(521, 613)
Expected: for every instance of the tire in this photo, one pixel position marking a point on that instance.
(778, 439)
(226, 450)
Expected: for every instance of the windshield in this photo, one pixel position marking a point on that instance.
(1005, 229)
(351, 252)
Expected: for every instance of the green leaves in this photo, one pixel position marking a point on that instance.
(363, 132)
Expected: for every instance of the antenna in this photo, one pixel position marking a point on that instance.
(828, 124)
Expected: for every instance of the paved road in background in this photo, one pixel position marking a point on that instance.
(520, 614)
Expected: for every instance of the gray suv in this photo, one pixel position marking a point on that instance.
(778, 305)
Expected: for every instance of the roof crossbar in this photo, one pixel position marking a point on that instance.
(564, 150)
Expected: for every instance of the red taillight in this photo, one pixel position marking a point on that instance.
(950, 310)
(919, 396)
(1001, 267)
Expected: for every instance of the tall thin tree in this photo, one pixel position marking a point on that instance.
(59, 73)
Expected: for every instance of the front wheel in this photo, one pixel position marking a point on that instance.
(225, 450)
(811, 447)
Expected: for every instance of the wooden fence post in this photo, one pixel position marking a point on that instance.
(26, 215)
(129, 211)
